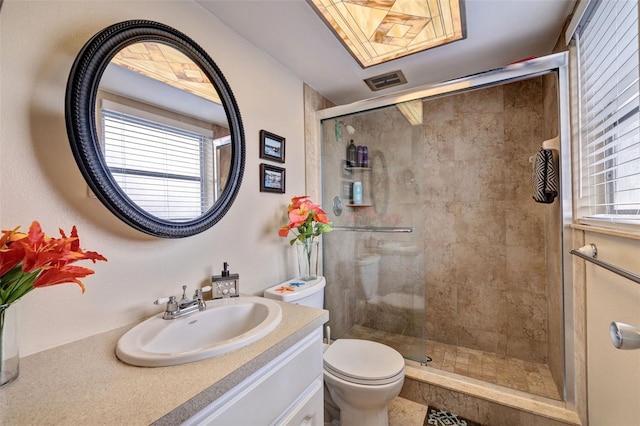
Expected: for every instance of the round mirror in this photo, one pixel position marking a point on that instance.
(155, 129)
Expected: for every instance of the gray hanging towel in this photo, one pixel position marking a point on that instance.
(544, 177)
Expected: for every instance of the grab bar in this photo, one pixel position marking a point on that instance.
(374, 229)
(593, 258)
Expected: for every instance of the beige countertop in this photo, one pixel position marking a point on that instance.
(84, 383)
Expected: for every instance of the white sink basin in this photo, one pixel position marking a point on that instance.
(226, 325)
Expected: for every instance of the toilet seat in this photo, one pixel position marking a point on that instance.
(363, 362)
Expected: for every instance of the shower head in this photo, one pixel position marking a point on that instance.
(350, 129)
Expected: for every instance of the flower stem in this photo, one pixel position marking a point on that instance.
(3, 308)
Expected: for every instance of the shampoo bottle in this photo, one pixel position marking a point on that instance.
(352, 155)
(360, 152)
(357, 192)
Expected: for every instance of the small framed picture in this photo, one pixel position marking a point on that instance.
(272, 179)
(271, 146)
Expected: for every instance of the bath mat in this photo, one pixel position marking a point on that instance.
(437, 417)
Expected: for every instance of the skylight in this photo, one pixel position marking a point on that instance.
(376, 31)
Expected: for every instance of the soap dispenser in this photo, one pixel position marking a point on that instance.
(225, 284)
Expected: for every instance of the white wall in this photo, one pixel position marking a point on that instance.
(39, 179)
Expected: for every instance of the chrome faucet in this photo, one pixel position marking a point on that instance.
(186, 306)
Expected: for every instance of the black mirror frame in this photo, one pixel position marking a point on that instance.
(80, 99)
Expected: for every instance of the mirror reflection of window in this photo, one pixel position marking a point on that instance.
(161, 168)
(165, 162)
(165, 136)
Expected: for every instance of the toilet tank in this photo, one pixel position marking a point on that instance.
(306, 293)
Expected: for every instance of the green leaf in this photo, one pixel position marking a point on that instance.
(16, 283)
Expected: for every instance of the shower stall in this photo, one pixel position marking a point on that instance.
(446, 257)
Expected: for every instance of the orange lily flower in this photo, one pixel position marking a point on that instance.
(32, 260)
(10, 254)
(66, 274)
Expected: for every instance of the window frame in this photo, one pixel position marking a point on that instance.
(627, 220)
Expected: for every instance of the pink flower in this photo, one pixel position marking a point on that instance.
(306, 219)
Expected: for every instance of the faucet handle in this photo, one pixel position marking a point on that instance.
(185, 300)
(199, 292)
(171, 308)
(162, 300)
(184, 293)
(197, 296)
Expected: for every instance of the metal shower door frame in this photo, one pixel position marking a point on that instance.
(557, 63)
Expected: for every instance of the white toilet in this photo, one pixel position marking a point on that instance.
(369, 271)
(361, 376)
(368, 276)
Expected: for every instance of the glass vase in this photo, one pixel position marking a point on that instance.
(9, 356)
(307, 259)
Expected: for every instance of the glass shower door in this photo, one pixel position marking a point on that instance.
(374, 259)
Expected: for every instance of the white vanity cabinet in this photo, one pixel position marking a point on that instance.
(286, 391)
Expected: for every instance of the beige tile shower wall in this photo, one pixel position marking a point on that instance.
(553, 244)
(313, 101)
(485, 266)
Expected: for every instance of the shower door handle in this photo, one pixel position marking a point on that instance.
(405, 229)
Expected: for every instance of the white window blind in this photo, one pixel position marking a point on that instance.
(158, 166)
(607, 45)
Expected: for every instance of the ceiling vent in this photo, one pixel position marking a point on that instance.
(379, 82)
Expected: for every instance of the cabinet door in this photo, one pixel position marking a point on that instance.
(308, 409)
(269, 393)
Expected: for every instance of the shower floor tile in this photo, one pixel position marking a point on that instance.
(513, 373)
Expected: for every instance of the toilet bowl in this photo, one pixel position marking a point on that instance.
(361, 377)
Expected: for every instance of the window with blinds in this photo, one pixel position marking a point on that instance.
(158, 166)
(607, 47)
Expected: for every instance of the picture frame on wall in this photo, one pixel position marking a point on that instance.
(272, 146)
(272, 179)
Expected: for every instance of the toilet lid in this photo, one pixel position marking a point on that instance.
(363, 361)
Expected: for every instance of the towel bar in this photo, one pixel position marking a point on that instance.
(593, 259)
(553, 144)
